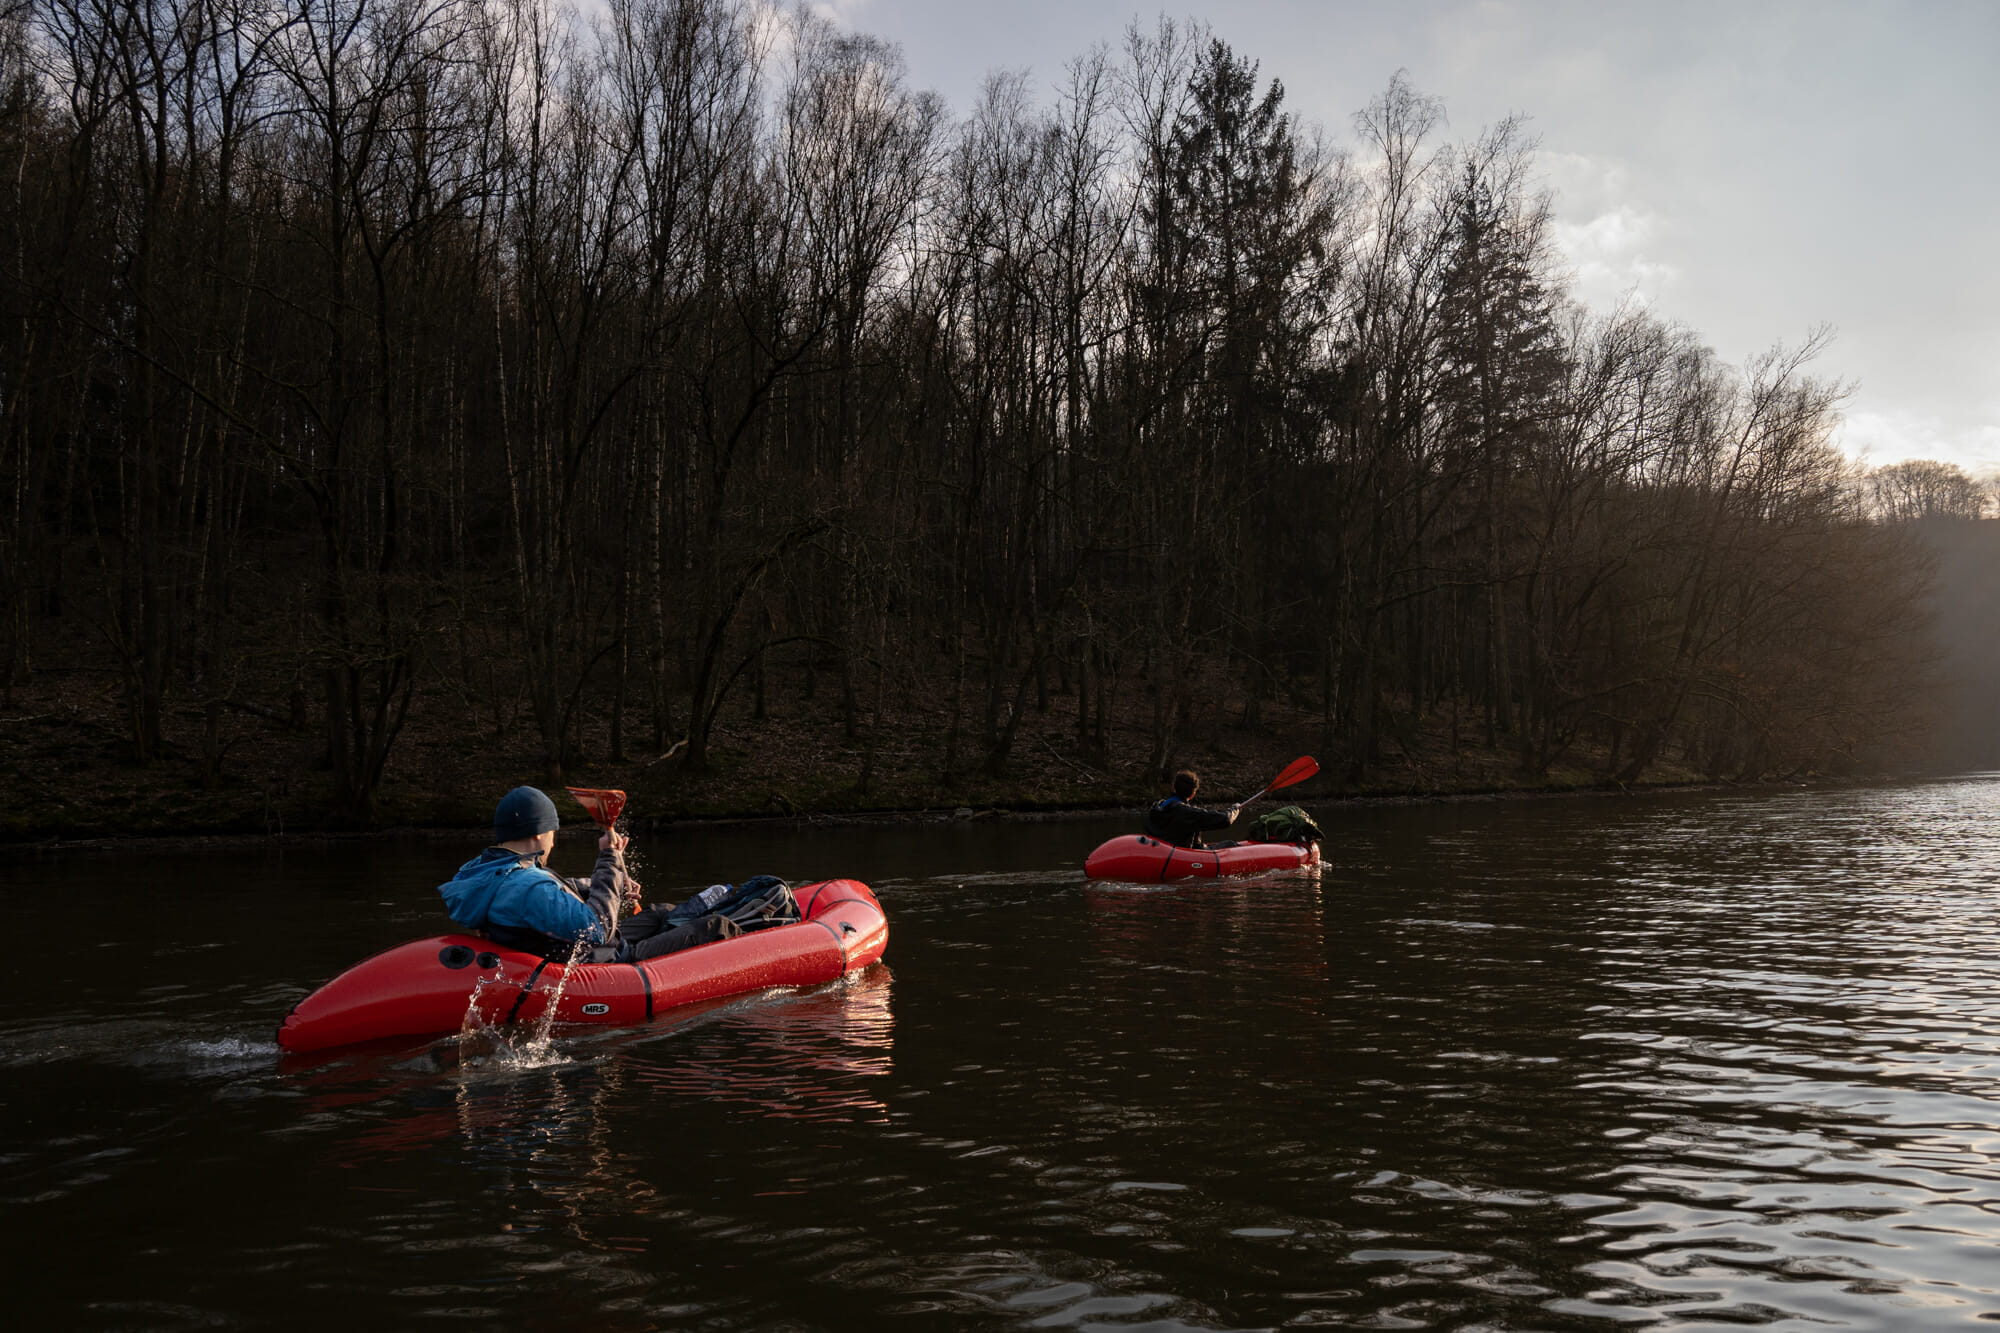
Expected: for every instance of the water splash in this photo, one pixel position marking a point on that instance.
(503, 1045)
(539, 1049)
(228, 1051)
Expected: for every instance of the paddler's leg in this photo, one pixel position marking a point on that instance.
(703, 930)
(645, 924)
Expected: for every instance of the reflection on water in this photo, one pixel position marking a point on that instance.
(1695, 1061)
(813, 1057)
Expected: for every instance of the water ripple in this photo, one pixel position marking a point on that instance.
(1678, 1062)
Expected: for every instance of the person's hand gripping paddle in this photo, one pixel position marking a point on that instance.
(604, 805)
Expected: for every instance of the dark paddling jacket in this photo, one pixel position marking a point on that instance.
(513, 901)
(1174, 820)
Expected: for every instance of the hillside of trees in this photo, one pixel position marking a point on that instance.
(1965, 550)
(418, 394)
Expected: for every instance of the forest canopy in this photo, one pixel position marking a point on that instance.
(367, 356)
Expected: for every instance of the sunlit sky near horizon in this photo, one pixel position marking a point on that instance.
(1752, 169)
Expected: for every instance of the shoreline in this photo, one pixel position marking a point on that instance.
(177, 843)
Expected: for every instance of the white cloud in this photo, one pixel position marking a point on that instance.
(1607, 237)
(850, 14)
(1610, 260)
(1610, 241)
(1880, 437)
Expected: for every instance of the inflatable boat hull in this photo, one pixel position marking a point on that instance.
(433, 986)
(1137, 859)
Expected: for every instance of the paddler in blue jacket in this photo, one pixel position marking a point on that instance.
(506, 894)
(1178, 821)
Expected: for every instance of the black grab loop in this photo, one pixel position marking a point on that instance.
(455, 956)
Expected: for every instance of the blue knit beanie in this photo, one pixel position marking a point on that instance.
(522, 813)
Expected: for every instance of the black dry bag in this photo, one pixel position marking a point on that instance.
(760, 901)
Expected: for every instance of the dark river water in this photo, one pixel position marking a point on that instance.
(1682, 1062)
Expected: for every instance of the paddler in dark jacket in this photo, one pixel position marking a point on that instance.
(1177, 821)
(506, 894)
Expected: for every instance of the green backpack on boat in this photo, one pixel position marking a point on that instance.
(1287, 823)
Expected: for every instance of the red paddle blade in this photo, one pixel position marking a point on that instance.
(1295, 772)
(602, 804)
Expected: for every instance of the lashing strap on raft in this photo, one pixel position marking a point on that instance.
(646, 981)
(522, 998)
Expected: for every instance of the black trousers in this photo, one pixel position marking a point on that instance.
(646, 934)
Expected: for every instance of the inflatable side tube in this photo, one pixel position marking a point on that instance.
(1133, 858)
(850, 910)
(1137, 859)
(414, 989)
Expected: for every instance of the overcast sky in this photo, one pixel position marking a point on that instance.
(1752, 169)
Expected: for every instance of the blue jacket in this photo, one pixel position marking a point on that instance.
(500, 888)
(1174, 820)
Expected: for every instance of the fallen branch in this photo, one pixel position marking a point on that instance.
(672, 750)
(1071, 762)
